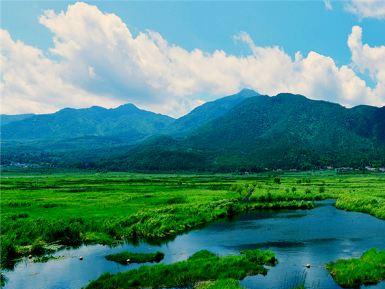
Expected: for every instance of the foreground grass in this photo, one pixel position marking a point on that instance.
(220, 284)
(129, 257)
(41, 212)
(106, 208)
(368, 269)
(201, 266)
(231, 284)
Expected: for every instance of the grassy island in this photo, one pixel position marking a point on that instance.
(202, 266)
(129, 257)
(366, 270)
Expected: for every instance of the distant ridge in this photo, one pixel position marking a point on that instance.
(126, 122)
(244, 131)
(8, 118)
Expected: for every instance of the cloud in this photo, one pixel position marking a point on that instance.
(367, 8)
(31, 82)
(328, 5)
(369, 60)
(98, 61)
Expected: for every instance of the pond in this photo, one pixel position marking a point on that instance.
(298, 237)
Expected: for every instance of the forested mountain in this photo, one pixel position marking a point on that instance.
(8, 118)
(126, 122)
(284, 131)
(208, 112)
(246, 131)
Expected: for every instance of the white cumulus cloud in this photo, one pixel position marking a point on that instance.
(368, 59)
(98, 61)
(31, 82)
(367, 8)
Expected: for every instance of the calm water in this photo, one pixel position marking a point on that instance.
(297, 237)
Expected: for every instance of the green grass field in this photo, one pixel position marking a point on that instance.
(40, 212)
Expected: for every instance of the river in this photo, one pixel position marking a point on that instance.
(298, 237)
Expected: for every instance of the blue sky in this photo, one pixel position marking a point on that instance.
(303, 26)
(294, 25)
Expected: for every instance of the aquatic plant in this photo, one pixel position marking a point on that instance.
(44, 259)
(130, 257)
(3, 279)
(295, 282)
(220, 284)
(202, 266)
(37, 248)
(8, 252)
(368, 269)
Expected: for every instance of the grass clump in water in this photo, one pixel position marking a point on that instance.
(38, 248)
(44, 259)
(3, 279)
(296, 282)
(8, 253)
(368, 269)
(129, 257)
(202, 266)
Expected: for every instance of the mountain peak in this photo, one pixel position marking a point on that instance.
(247, 92)
(127, 106)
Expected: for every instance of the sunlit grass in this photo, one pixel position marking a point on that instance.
(368, 269)
(202, 266)
(220, 284)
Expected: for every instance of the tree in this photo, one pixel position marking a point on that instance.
(245, 191)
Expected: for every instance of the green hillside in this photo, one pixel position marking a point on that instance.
(8, 118)
(207, 112)
(286, 131)
(126, 122)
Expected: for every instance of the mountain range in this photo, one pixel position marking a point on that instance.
(245, 131)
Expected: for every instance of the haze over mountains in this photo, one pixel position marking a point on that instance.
(245, 131)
